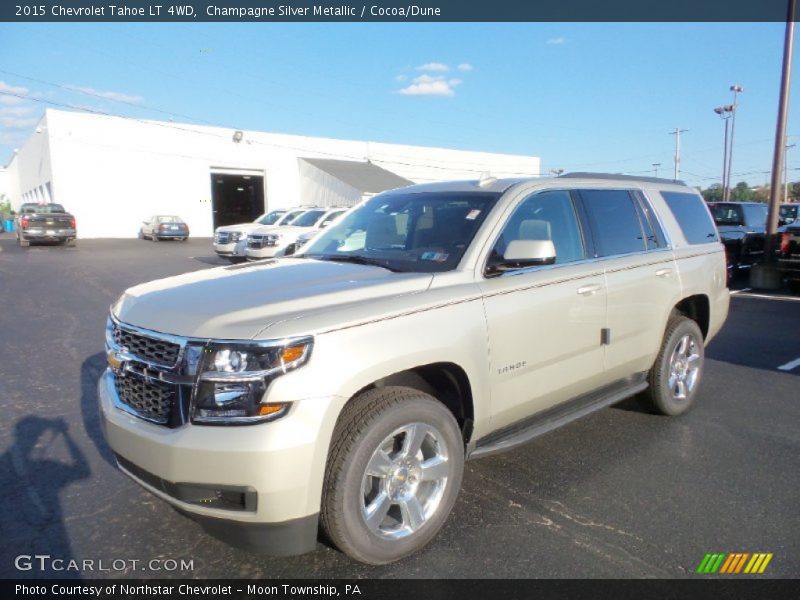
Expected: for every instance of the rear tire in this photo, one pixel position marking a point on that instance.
(393, 474)
(675, 376)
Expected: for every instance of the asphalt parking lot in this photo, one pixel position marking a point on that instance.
(618, 494)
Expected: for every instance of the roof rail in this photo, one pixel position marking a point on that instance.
(623, 177)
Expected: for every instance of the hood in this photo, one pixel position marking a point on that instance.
(239, 227)
(239, 301)
(281, 229)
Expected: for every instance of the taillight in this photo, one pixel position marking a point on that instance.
(72, 224)
(25, 221)
(162, 227)
(785, 243)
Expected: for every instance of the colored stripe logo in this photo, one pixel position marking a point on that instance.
(734, 563)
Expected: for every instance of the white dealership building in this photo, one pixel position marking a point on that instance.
(113, 172)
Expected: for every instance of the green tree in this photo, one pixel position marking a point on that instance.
(742, 192)
(713, 193)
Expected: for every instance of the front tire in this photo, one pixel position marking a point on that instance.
(393, 474)
(675, 376)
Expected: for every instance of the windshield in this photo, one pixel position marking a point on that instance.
(290, 216)
(788, 213)
(423, 232)
(308, 218)
(270, 218)
(727, 214)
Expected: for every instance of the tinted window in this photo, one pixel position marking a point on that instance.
(615, 222)
(691, 214)
(756, 214)
(290, 216)
(544, 216)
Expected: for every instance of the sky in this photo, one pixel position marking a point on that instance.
(598, 97)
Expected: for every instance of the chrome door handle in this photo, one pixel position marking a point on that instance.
(663, 272)
(589, 290)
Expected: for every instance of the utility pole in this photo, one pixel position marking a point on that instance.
(655, 166)
(677, 133)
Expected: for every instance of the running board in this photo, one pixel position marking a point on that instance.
(532, 427)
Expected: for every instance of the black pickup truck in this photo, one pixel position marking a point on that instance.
(742, 228)
(45, 223)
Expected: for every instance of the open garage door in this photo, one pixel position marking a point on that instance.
(236, 197)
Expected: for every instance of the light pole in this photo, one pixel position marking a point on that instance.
(725, 113)
(736, 89)
(655, 167)
(785, 169)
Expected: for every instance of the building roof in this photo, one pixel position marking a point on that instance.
(363, 176)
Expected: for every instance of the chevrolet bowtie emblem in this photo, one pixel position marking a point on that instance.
(113, 362)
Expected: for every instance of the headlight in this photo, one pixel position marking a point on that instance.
(233, 379)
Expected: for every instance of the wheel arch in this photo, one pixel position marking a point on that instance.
(445, 381)
(698, 309)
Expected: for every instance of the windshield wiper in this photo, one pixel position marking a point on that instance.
(358, 260)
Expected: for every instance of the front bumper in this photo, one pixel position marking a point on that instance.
(265, 252)
(273, 462)
(232, 249)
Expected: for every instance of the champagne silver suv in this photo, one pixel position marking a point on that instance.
(346, 386)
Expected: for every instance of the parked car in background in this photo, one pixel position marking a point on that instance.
(269, 242)
(788, 213)
(789, 254)
(230, 241)
(44, 223)
(163, 227)
(742, 227)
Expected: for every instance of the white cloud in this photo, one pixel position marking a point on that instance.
(556, 41)
(11, 89)
(464, 67)
(11, 139)
(108, 95)
(15, 111)
(17, 122)
(400, 77)
(434, 66)
(427, 85)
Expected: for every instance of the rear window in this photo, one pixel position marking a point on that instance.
(692, 216)
(41, 208)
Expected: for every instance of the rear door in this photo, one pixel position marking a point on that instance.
(641, 275)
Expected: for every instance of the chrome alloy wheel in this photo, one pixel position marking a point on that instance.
(684, 367)
(404, 481)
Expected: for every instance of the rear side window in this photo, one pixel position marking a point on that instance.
(615, 222)
(692, 216)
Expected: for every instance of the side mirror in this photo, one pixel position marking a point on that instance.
(528, 253)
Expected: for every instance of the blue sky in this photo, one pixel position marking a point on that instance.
(582, 96)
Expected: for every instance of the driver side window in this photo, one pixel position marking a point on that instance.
(546, 215)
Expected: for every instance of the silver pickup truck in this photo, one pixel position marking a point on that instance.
(346, 386)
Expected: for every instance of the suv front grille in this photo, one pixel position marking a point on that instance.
(150, 400)
(148, 349)
(222, 237)
(256, 241)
